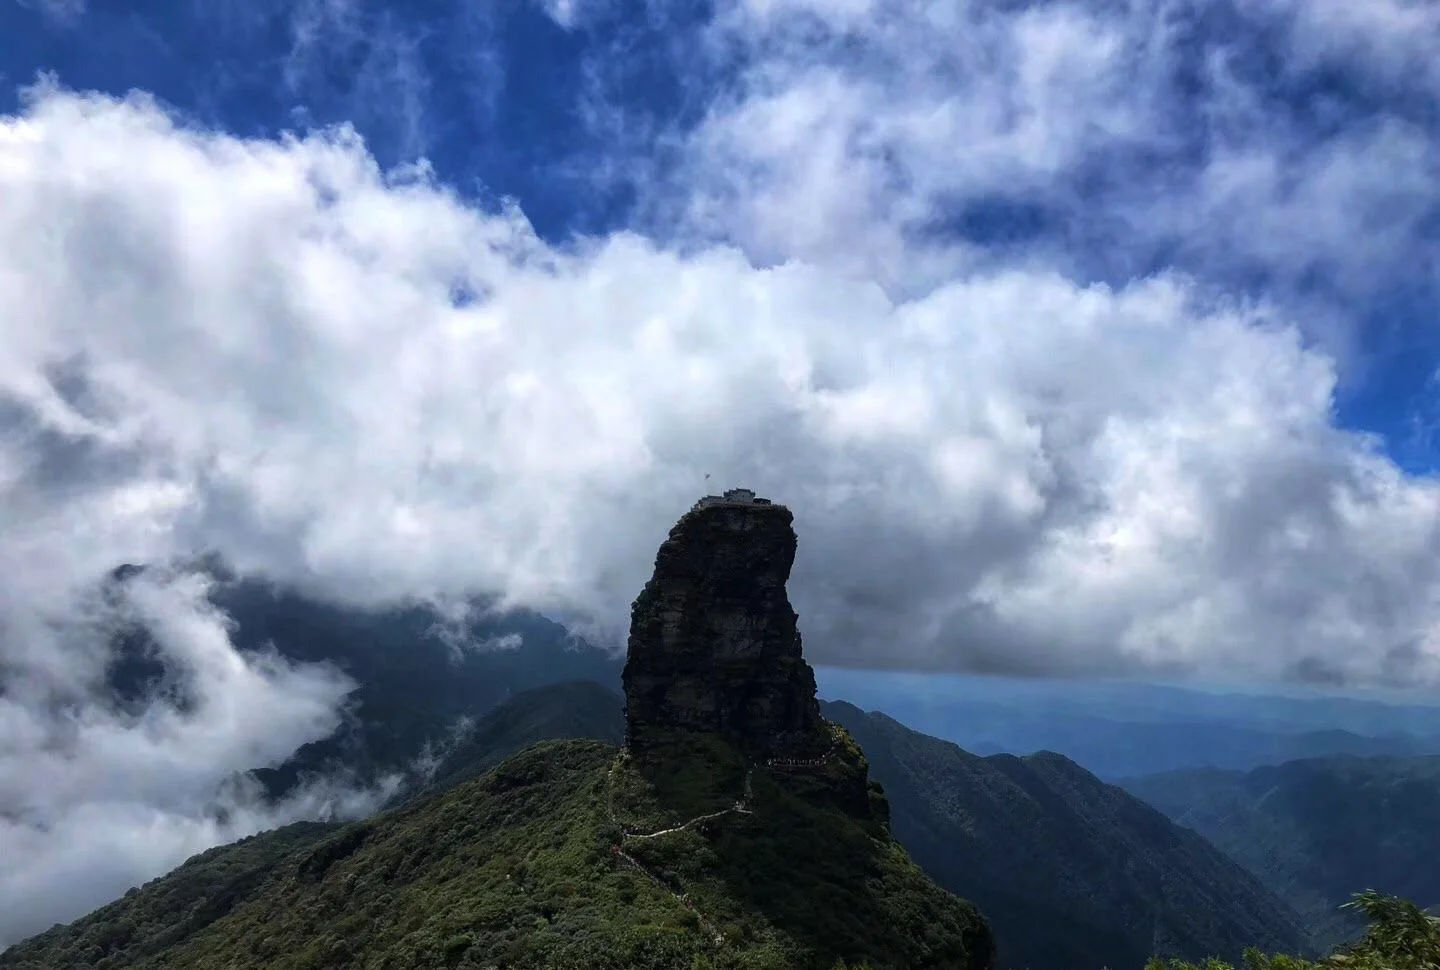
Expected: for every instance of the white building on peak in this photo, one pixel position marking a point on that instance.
(732, 496)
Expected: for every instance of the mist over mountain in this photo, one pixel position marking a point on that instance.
(422, 675)
(276, 706)
(419, 671)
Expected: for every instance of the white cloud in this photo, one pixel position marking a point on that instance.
(851, 125)
(386, 79)
(62, 13)
(1142, 131)
(1392, 40)
(1069, 477)
(563, 12)
(97, 797)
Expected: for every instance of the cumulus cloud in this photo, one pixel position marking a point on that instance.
(266, 355)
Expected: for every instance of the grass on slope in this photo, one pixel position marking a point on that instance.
(169, 911)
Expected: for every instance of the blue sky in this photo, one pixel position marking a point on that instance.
(494, 99)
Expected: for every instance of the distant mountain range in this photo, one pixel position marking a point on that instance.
(1318, 829)
(1070, 871)
(1120, 749)
(1120, 730)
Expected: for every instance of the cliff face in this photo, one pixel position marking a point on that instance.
(714, 645)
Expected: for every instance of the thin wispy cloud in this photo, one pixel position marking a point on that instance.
(59, 13)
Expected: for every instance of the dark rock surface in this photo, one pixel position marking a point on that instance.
(714, 644)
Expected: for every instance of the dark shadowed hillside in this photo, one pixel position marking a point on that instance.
(580, 709)
(1070, 871)
(1315, 830)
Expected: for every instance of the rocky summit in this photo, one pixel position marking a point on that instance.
(714, 644)
(738, 830)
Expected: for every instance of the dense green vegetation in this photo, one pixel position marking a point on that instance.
(1400, 936)
(1315, 829)
(516, 870)
(169, 911)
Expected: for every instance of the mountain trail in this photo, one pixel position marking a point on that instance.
(741, 807)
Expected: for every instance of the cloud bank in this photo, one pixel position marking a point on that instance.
(350, 378)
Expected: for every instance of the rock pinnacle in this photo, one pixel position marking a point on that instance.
(714, 644)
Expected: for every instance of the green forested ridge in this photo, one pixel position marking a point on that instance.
(516, 869)
(427, 886)
(1313, 830)
(1070, 871)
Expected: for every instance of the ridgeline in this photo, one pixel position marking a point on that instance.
(737, 828)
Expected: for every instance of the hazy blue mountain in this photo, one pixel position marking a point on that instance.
(1121, 729)
(1070, 872)
(1318, 829)
(1118, 749)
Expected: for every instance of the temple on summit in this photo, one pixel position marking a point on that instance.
(733, 496)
